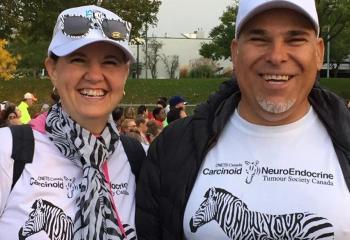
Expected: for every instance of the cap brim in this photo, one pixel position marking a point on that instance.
(70, 45)
(264, 6)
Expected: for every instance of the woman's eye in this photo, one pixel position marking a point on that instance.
(77, 60)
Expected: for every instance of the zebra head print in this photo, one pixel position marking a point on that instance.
(49, 218)
(206, 211)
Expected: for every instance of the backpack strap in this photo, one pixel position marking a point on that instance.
(22, 149)
(135, 153)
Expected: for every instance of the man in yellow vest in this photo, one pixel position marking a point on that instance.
(27, 102)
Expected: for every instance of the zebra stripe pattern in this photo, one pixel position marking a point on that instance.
(240, 223)
(49, 218)
(96, 219)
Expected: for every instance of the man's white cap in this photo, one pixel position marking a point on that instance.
(249, 8)
(29, 95)
(62, 45)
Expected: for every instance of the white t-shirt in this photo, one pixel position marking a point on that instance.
(281, 182)
(52, 179)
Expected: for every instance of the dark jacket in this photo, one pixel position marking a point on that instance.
(174, 159)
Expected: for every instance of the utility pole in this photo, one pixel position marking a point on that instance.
(146, 52)
(328, 52)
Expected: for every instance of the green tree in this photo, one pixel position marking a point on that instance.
(222, 36)
(28, 24)
(334, 18)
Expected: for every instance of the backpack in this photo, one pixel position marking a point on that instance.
(23, 150)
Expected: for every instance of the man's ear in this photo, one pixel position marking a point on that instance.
(50, 65)
(234, 52)
(319, 53)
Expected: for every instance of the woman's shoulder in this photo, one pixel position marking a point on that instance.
(5, 141)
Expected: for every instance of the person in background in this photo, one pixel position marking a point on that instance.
(175, 113)
(28, 100)
(141, 124)
(129, 113)
(153, 130)
(177, 102)
(44, 108)
(81, 182)
(159, 115)
(127, 125)
(117, 115)
(266, 155)
(164, 100)
(9, 114)
(143, 110)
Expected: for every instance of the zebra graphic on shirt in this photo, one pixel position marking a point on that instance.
(49, 218)
(240, 223)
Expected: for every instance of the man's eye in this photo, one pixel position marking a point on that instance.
(258, 39)
(297, 41)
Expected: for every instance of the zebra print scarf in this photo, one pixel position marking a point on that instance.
(96, 218)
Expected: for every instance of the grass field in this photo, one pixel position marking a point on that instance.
(143, 91)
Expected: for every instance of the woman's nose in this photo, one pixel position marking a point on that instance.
(94, 72)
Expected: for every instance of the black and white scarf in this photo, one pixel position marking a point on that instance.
(96, 218)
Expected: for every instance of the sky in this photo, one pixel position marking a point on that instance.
(186, 16)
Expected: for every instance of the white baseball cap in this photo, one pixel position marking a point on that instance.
(80, 26)
(249, 8)
(29, 95)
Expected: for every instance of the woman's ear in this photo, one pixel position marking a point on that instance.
(50, 65)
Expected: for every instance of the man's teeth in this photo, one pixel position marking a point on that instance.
(92, 92)
(269, 77)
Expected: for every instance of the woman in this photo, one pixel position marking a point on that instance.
(80, 184)
(9, 114)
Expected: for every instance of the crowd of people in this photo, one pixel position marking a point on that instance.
(12, 114)
(135, 121)
(144, 124)
(265, 157)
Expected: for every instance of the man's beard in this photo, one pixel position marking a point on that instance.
(275, 107)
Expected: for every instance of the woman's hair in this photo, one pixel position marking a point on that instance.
(129, 112)
(10, 108)
(54, 56)
(141, 109)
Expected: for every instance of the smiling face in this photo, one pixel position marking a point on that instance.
(90, 82)
(276, 58)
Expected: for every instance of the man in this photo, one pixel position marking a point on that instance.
(141, 124)
(177, 102)
(266, 157)
(26, 103)
(159, 115)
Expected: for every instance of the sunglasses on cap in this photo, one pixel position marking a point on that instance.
(79, 26)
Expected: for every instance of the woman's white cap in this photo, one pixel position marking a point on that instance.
(62, 45)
